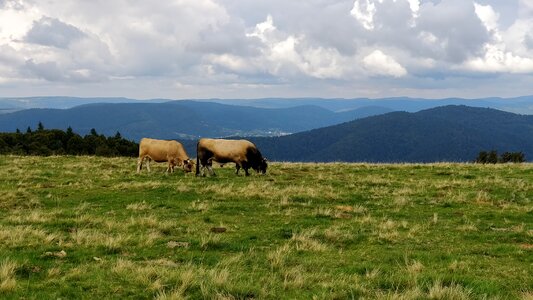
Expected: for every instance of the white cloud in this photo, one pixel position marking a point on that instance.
(497, 60)
(415, 6)
(506, 52)
(15, 21)
(487, 15)
(262, 29)
(363, 11)
(379, 63)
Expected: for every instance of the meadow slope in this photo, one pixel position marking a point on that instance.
(90, 227)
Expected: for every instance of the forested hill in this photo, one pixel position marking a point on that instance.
(182, 119)
(449, 133)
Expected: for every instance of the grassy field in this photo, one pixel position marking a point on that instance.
(90, 227)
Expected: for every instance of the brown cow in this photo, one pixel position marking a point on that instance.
(241, 152)
(163, 151)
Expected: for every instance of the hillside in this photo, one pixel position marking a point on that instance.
(451, 133)
(181, 119)
(78, 226)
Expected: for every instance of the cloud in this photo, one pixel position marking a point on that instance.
(487, 15)
(346, 47)
(506, 51)
(52, 32)
(496, 60)
(379, 63)
(364, 11)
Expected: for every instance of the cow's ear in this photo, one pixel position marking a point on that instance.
(185, 161)
(265, 159)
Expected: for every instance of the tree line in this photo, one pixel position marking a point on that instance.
(491, 157)
(58, 142)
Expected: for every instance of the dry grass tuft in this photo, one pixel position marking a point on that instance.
(415, 267)
(31, 217)
(174, 294)
(8, 282)
(387, 231)
(305, 241)
(278, 257)
(139, 206)
(53, 272)
(482, 197)
(219, 276)
(210, 240)
(451, 292)
(410, 294)
(337, 234)
(200, 206)
(19, 199)
(15, 236)
(373, 274)
(294, 278)
(457, 266)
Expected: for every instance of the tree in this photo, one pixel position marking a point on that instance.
(28, 130)
(55, 141)
(93, 132)
(40, 126)
(482, 157)
(70, 132)
(517, 157)
(492, 157)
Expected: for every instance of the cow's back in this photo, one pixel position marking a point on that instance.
(176, 150)
(226, 149)
(157, 150)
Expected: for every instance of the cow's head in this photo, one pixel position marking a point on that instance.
(188, 165)
(263, 166)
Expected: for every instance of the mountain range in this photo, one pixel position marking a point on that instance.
(449, 133)
(314, 130)
(520, 105)
(182, 119)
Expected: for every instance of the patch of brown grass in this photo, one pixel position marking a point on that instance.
(8, 283)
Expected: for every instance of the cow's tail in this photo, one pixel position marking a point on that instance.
(197, 159)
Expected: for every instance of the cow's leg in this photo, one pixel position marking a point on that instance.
(201, 166)
(146, 160)
(210, 167)
(245, 167)
(139, 164)
(211, 171)
(237, 167)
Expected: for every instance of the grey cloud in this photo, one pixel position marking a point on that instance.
(230, 38)
(48, 70)
(54, 72)
(52, 32)
(456, 26)
(12, 4)
(528, 41)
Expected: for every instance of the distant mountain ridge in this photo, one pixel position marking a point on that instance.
(450, 133)
(181, 119)
(520, 105)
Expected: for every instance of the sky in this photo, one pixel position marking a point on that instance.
(181, 49)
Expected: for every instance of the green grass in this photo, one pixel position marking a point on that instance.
(90, 227)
